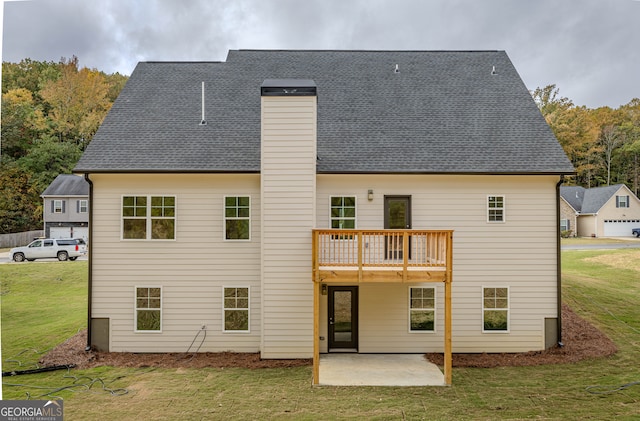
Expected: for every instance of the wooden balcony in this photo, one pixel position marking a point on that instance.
(354, 256)
(381, 255)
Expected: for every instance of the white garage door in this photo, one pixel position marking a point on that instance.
(620, 228)
(81, 232)
(60, 232)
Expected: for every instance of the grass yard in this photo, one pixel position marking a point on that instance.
(44, 304)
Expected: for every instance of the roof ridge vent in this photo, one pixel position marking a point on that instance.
(203, 121)
(397, 69)
(493, 70)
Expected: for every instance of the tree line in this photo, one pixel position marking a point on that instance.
(50, 112)
(602, 143)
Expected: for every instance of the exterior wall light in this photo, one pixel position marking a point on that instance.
(370, 195)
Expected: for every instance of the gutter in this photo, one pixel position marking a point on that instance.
(558, 266)
(90, 265)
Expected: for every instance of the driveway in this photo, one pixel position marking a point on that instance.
(625, 243)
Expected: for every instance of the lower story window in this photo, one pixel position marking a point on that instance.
(422, 309)
(236, 309)
(495, 309)
(148, 309)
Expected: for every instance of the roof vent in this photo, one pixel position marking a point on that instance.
(397, 69)
(288, 87)
(493, 71)
(203, 121)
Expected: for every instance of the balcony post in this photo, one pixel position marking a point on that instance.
(448, 365)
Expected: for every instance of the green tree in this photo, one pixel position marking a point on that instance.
(22, 121)
(48, 158)
(20, 203)
(78, 101)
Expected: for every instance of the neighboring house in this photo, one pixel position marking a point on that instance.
(610, 211)
(66, 207)
(296, 202)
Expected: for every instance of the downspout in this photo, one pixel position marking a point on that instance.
(558, 265)
(90, 275)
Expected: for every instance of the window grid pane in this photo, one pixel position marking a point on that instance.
(343, 212)
(495, 208)
(237, 218)
(495, 309)
(236, 309)
(148, 309)
(148, 218)
(422, 309)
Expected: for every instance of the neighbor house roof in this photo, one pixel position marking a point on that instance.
(588, 201)
(67, 185)
(378, 112)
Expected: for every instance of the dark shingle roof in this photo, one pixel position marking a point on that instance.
(574, 195)
(67, 185)
(443, 112)
(587, 201)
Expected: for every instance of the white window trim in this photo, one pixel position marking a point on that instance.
(355, 218)
(435, 310)
(564, 227)
(224, 219)
(56, 208)
(84, 203)
(622, 202)
(248, 309)
(504, 209)
(135, 308)
(148, 217)
(508, 309)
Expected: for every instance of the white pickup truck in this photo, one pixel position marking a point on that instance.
(67, 249)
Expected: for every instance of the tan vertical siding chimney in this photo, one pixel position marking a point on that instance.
(288, 190)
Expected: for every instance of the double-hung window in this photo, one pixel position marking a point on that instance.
(83, 206)
(237, 218)
(495, 209)
(422, 309)
(495, 309)
(236, 309)
(343, 212)
(148, 309)
(58, 206)
(622, 201)
(149, 217)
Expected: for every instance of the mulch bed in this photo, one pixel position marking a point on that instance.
(581, 341)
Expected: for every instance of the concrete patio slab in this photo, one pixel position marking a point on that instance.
(378, 370)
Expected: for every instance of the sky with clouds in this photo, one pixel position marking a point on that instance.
(589, 48)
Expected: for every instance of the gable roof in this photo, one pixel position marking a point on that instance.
(574, 195)
(588, 201)
(67, 185)
(442, 112)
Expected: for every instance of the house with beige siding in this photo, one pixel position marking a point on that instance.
(295, 203)
(607, 211)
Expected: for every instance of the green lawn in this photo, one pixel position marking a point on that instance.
(44, 304)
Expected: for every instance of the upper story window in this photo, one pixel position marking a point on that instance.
(83, 206)
(149, 217)
(58, 206)
(343, 212)
(622, 201)
(495, 209)
(237, 218)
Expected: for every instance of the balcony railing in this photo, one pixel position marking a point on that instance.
(338, 254)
